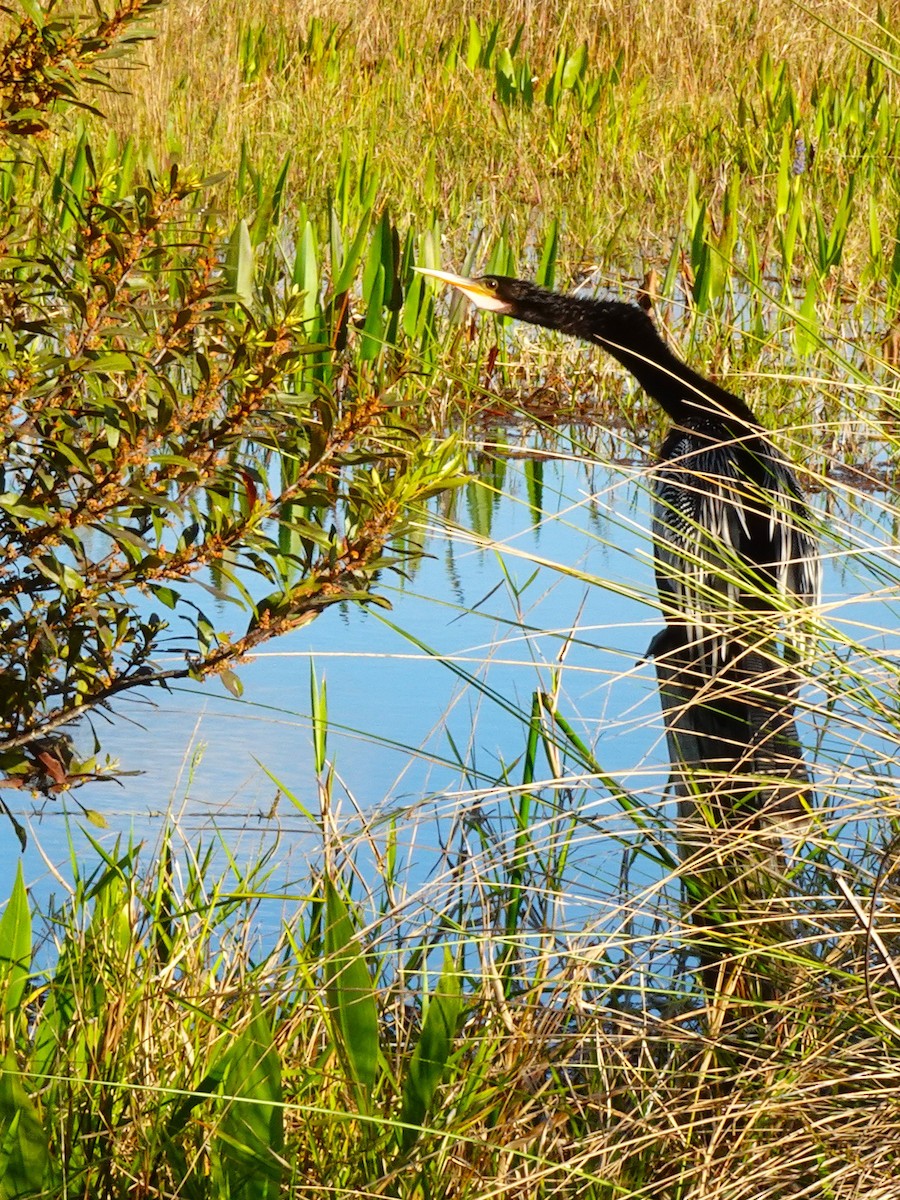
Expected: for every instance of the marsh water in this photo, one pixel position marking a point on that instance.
(536, 577)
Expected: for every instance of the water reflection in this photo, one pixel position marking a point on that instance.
(537, 578)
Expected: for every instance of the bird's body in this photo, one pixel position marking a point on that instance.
(733, 549)
(731, 533)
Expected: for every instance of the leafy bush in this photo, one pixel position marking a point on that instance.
(169, 429)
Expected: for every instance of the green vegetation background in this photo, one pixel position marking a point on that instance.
(740, 166)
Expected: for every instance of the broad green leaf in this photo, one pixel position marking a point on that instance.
(232, 683)
(107, 364)
(166, 595)
(574, 68)
(805, 338)
(240, 266)
(306, 271)
(351, 997)
(15, 945)
(23, 1142)
(372, 341)
(473, 46)
(248, 1139)
(506, 71)
(430, 1057)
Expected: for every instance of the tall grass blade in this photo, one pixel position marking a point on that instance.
(893, 282)
(351, 997)
(319, 711)
(15, 946)
(345, 270)
(546, 272)
(278, 190)
(432, 1053)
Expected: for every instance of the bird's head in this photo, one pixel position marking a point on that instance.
(494, 293)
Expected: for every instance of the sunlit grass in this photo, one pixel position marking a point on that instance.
(486, 988)
(745, 162)
(584, 1058)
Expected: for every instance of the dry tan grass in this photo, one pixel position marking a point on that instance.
(190, 100)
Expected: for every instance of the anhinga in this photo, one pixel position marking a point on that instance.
(732, 543)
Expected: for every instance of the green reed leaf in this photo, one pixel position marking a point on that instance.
(432, 1053)
(351, 996)
(248, 1138)
(15, 946)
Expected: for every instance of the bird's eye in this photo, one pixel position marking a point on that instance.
(490, 282)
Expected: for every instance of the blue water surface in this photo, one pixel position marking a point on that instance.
(545, 585)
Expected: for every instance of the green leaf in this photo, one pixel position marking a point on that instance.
(319, 702)
(23, 1142)
(35, 11)
(15, 945)
(574, 68)
(351, 997)
(783, 183)
(107, 364)
(546, 275)
(430, 1057)
(805, 337)
(211, 1082)
(248, 1139)
(279, 188)
(166, 595)
(306, 272)
(232, 683)
(473, 45)
(240, 264)
(372, 341)
(344, 276)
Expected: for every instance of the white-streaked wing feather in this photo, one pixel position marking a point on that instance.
(724, 543)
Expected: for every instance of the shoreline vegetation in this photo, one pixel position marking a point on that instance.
(606, 154)
(459, 1037)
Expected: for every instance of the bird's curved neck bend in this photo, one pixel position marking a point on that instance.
(681, 392)
(627, 333)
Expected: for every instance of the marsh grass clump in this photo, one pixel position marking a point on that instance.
(439, 1037)
(561, 113)
(600, 153)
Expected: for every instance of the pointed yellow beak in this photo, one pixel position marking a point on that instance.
(480, 295)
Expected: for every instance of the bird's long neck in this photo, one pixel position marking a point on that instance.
(627, 333)
(680, 391)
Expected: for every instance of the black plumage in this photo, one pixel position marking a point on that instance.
(735, 556)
